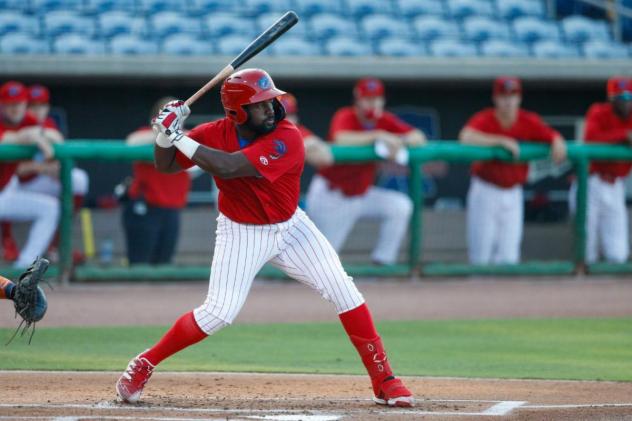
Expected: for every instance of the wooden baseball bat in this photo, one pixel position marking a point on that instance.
(266, 38)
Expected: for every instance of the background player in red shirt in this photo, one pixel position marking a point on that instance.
(341, 194)
(607, 217)
(17, 126)
(494, 200)
(151, 216)
(317, 151)
(256, 157)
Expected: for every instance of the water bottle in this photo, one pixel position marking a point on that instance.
(106, 252)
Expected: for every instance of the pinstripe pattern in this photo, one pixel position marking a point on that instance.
(295, 246)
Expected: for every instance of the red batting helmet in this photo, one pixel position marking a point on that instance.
(247, 86)
(619, 86)
(39, 94)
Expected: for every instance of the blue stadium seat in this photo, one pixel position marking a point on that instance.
(61, 22)
(460, 9)
(203, 7)
(347, 47)
(265, 20)
(77, 44)
(22, 44)
(413, 8)
(397, 47)
(308, 8)
(14, 5)
(186, 45)
(219, 25)
(325, 25)
(11, 21)
(233, 44)
(295, 46)
(579, 29)
(150, 7)
(360, 8)
(132, 45)
(511, 9)
(482, 28)
(428, 28)
(44, 6)
(553, 49)
(118, 22)
(452, 48)
(605, 50)
(168, 23)
(498, 48)
(257, 7)
(98, 7)
(531, 29)
(383, 26)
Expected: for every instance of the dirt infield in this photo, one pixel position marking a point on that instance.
(188, 396)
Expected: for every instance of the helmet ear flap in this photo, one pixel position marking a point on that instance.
(279, 110)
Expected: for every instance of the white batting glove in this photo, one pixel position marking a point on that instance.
(170, 120)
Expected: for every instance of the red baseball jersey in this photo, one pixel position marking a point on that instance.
(159, 189)
(604, 126)
(528, 127)
(355, 179)
(278, 157)
(305, 132)
(7, 169)
(49, 123)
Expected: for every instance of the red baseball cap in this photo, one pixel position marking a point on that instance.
(368, 87)
(13, 92)
(506, 85)
(39, 94)
(619, 86)
(289, 103)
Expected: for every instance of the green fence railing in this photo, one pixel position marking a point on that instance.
(579, 154)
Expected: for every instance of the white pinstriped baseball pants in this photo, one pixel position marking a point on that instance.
(295, 246)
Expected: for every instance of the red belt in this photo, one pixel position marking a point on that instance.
(608, 178)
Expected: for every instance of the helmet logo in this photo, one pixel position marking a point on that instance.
(14, 90)
(264, 82)
(371, 85)
(36, 92)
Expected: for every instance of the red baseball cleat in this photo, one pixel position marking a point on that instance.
(130, 385)
(392, 392)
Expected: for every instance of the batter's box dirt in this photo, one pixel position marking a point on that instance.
(193, 396)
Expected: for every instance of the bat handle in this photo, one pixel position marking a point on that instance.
(223, 74)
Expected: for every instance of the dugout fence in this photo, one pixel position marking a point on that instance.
(579, 154)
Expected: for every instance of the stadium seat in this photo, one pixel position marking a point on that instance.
(149, 7)
(265, 20)
(22, 44)
(186, 45)
(498, 48)
(511, 9)
(308, 8)
(77, 44)
(44, 6)
(218, 25)
(325, 25)
(11, 21)
(553, 49)
(14, 5)
(257, 7)
(482, 28)
(118, 22)
(346, 46)
(429, 28)
(452, 48)
(232, 45)
(384, 26)
(295, 46)
(531, 29)
(203, 7)
(579, 29)
(132, 45)
(605, 50)
(413, 8)
(97, 7)
(168, 23)
(61, 22)
(397, 47)
(361, 8)
(460, 9)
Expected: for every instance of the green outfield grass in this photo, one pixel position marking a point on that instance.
(599, 349)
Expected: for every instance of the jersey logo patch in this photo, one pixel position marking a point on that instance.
(263, 160)
(280, 149)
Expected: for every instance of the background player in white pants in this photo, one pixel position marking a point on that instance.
(341, 194)
(16, 206)
(607, 216)
(256, 157)
(494, 200)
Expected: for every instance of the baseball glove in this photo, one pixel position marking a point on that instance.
(29, 298)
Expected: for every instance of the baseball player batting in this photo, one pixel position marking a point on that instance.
(256, 157)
